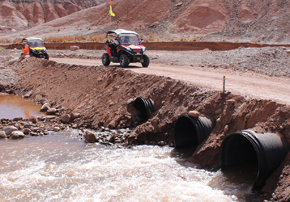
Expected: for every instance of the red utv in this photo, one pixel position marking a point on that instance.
(124, 47)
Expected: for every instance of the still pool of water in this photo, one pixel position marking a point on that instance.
(12, 106)
(62, 167)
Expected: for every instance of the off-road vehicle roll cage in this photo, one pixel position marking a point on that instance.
(125, 47)
(36, 47)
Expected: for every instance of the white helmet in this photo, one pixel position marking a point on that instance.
(115, 42)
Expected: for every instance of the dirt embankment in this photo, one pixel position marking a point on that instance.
(104, 97)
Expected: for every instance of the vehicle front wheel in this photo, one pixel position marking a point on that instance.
(124, 60)
(146, 61)
(105, 59)
(46, 56)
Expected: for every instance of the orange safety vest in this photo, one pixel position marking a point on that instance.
(25, 50)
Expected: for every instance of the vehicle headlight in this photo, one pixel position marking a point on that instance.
(144, 49)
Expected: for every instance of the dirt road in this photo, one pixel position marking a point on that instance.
(246, 84)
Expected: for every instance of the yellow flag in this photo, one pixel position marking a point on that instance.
(111, 11)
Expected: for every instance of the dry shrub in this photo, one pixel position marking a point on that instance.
(256, 40)
(76, 38)
(6, 40)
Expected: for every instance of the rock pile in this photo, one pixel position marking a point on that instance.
(107, 136)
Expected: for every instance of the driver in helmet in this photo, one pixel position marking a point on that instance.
(126, 40)
(115, 43)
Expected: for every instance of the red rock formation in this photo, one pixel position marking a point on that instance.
(20, 7)
(72, 8)
(38, 14)
(28, 12)
(9, 16)
(60, 10)
(50, 13)
(135, 12)
(202, 15)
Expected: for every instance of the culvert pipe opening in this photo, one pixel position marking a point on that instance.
(145, 107)
(190, 130)
(262, 152)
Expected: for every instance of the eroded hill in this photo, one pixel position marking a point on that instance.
(221, 20)
(24, 14)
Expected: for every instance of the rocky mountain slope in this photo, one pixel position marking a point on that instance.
(24, 14)
(210, 20)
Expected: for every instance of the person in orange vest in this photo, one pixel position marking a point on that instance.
(25, 48)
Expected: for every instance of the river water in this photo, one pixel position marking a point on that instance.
(62, 167)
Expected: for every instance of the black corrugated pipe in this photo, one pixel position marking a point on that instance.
(189, 130)
(144, 106)
(267, 150)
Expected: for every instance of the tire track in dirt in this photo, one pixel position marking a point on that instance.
(246, 84)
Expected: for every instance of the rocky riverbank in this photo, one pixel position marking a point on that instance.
(102, 98)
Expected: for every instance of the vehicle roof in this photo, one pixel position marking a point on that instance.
(32, 39)
(121, 31)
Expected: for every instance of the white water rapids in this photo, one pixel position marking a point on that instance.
(62, 167)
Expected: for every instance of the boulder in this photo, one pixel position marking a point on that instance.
(226, 128)
(9, 129)
(34, 134)
(74, 48)
(75, 115)
(56, 129)
(230, 101)
(12, 61)
(26, 131)
(51, 111)
(194, 113)
(16, 135)
(45, 107)
(28, 94)
(18, 119)
(65, 118)
(3, 134)
(2, 87)
(33, 119)
(90, 136)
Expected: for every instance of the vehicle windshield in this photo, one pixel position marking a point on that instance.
(132, 39)
(35, 43)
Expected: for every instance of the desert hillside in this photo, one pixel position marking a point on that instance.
(18, 14)
(210, 20)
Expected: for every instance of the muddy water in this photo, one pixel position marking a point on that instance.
(61, 167)
(12, 106)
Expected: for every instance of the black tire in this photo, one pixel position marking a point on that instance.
(124, 60)
(46, 56)
(105, 59)
(146, 61)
